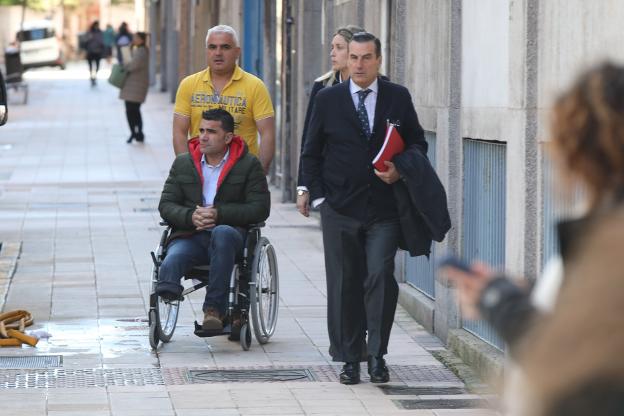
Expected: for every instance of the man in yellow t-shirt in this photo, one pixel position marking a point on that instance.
(223, 84)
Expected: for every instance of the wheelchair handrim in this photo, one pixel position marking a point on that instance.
(166, 311)
(167, 317)
(265, 291)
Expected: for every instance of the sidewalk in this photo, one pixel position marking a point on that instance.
(82, 204)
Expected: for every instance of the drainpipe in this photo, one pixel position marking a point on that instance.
(153, 28)
(285, 182)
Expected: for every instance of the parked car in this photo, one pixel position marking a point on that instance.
(39, 45)
(4, 109)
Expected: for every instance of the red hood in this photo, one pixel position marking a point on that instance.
(238, 148)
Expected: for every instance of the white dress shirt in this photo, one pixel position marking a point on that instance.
(211, 178)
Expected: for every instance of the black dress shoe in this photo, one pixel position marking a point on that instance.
(140, 137)
(377, 370)
(350, 373)
(130, 138)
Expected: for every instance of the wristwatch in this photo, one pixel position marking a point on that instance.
(301, 192)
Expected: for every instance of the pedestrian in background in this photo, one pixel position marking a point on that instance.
(587, 129)
(94, 46)
(135, 87)
(109, 41)
(123, 41)
(339, 72)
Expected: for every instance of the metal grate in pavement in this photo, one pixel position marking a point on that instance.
(425, 373)
(98, 377)
(32, 361)
(441, 404)
(420, 391)
(81, 378)
(251, 375)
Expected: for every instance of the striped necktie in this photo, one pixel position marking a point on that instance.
(362, 113)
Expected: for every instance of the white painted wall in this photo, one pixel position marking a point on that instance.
(427, 57)
(485, 53)
(574, 34)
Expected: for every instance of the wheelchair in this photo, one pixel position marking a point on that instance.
(253, 292)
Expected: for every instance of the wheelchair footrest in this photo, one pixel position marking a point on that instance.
(202, 333)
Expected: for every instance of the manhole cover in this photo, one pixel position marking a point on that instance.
(421, 391)
(442, 404)
(251, 375)
(38, 361)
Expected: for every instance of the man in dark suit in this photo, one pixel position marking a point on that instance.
(360, 219)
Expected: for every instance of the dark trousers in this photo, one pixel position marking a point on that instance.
(361, 290)
(135, 121)
(93, 59)
(218, 247)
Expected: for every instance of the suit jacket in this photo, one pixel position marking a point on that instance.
(318, 85)
(337, 155)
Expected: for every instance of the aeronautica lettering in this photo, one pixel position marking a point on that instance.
(202, 99)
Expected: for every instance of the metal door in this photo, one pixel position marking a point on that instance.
(253, 37)
(484, 214)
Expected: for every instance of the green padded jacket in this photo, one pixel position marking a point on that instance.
(242, 196)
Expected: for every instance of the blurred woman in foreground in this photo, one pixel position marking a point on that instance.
(567, 334)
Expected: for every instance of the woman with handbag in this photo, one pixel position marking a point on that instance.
(134, 89)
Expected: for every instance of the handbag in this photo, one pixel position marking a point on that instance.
(117, 76)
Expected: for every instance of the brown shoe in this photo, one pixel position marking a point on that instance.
(212, 320)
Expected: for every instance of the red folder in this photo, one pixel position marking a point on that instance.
(393, 144)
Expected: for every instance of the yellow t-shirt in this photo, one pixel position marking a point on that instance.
(245, 97)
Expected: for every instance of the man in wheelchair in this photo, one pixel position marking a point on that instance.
(211, 193)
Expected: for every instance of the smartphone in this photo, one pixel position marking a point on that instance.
(456, 262)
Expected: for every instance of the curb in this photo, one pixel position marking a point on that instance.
(486, 361)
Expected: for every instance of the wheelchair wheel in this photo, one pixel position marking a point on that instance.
(264, 291)
(164, 312)
(153, 331)
(245, 336)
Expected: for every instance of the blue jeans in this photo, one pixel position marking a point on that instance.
(218, 247)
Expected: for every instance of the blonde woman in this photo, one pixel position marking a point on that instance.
(339, 55)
